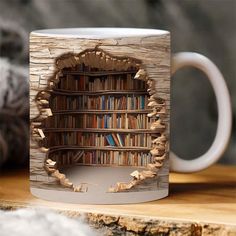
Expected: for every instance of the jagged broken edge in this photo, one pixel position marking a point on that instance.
(159, 144)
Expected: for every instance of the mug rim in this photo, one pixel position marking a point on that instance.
(100, 32)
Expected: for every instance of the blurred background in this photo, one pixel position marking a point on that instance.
(204, 26)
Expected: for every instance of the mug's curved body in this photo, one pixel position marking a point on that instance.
(100, 101)
(99, 112)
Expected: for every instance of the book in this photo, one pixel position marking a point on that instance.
(115, 138)
(121, 142)
(110, 140)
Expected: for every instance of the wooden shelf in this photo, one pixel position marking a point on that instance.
(97, 93)
(97, 73)
(100, 130)
(105, 148)
(88, 111)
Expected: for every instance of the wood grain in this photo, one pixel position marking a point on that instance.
(202, 203)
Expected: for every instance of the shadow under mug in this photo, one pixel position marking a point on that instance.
(99, 111)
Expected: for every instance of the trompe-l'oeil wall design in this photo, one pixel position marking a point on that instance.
(100, 110)
(99, 118)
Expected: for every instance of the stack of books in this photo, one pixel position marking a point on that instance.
(106, 120)
(95, 138)
(97, 101)
(92, 81)
(102, 157)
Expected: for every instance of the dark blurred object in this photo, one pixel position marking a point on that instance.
(14, 106)
(204, 26)
(12, 43)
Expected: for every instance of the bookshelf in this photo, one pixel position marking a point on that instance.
(99, 118)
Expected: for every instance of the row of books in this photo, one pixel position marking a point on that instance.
(109, 121)
(108, 102)
(102, 82)
(87, 69)
(98, 139)
(118, 158)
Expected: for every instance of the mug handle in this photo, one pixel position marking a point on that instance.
(223, 132)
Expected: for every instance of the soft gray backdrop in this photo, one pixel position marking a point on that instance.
(204, 26)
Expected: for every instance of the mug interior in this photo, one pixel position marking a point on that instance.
(101, 32)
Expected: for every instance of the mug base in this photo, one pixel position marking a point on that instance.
(106, 198)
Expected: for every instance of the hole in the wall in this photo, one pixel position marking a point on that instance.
(100, 112)
(90, 105)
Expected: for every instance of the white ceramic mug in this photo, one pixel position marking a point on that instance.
(100, 102)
